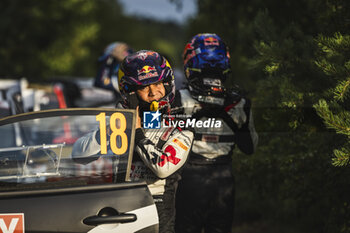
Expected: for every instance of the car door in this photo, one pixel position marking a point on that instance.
(43, 188)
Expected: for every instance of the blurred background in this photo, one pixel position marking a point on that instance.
(291, 57)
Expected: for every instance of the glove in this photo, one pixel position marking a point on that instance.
(238, 114)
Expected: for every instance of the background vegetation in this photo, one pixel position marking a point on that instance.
(44, 39)
(292, 56)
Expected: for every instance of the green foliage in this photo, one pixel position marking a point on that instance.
(44, 39)
(341, 157)
(334, 61)
(39, 42)
(290, 180)
(340, 122)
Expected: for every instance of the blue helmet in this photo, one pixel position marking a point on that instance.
(143, 68)
(207, 65)
(206, 53)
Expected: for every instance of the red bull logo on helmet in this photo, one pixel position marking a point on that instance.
(211, 41)
(146, 69)
(147, 72)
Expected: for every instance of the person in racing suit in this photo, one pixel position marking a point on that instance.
(107, 74)
(147, 83)
(205, 195)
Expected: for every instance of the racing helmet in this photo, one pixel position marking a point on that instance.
(143, 68)
(112, 55)
(206, 65)
(118, 50)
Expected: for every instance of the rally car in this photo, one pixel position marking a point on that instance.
(44, 189)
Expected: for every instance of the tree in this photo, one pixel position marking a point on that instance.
(293, 83)
(335, 63)
(44, 38)
(275, 47)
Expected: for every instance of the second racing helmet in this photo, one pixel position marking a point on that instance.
(207, 65)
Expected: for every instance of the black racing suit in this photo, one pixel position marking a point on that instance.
(159, 154)
(205, 195)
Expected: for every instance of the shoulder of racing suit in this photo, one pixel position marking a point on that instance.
(164, 150)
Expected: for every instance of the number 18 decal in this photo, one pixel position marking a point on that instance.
(117, 125)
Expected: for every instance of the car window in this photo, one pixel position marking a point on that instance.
(36, 148)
